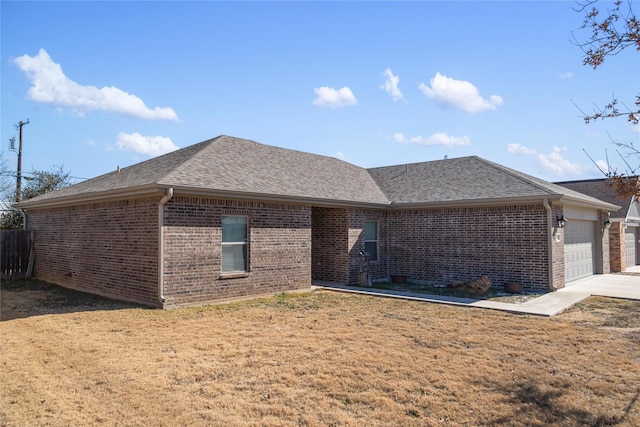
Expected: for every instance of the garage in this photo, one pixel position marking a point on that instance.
(579, 249)
(631, 247)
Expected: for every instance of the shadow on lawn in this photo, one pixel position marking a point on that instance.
(541, 405)
(28, 298)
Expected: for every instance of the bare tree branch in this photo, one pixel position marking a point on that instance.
(612, 31)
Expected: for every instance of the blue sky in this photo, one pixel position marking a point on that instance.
(108, 84)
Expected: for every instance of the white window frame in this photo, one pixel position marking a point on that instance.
(244, 244)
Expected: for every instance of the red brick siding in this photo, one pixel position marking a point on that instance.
(604, 265)
(107, 248)
(379, 268)
(330, 243)
(617, 261)
(279, 249)
(506, 243)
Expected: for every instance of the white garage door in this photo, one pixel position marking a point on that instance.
(579, 248)
(630, 239)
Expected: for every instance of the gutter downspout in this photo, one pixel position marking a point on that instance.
(545, 202)
(161, 204)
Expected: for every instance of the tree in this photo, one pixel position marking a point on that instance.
(611, 33)
(37, 183)
(5, 178)
(42, 182)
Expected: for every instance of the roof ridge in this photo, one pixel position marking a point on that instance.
(204, 144)
(419, 163)
(519, 175)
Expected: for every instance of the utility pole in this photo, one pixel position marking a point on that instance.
(19, 175)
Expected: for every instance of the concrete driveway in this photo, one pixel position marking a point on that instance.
(619, 285)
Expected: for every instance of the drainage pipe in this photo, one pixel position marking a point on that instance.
(545, 202)
(163, 201)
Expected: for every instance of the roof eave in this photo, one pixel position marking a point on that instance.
(158, 189)
(276, 198)
(590, 204)
(84, 198)
(505, 201)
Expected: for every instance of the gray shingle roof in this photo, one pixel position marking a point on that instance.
(463, 179)
(599, 189)
(239, 167)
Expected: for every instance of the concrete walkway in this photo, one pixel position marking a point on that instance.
(609, 285)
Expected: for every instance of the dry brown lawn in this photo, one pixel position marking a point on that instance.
(314, 359)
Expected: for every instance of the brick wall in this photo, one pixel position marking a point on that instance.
(279, 249)
(109, 248)
(378, 269)
(330, 243)
(506, 243)
(617, 261)
(338, 238)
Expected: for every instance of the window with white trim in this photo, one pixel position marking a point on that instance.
(371, 239)
(235, 244)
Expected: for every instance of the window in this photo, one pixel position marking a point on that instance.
(371, 239)
(235, 244)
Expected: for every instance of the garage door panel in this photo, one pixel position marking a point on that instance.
(579, 249)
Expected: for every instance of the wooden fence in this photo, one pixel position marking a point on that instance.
(17, 254)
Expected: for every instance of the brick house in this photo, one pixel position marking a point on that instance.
(624, 234)
(230, 218)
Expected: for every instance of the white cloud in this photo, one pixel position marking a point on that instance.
(520, 149)
(150, 145)
(459, 93)
(602, 165)
(339, 155)
(391, 85)
(332, 98)
(440, 138)
(51, 86)
(556, 164)
(635, 128)
(567, 75)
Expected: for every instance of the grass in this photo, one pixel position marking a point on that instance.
(314, 359)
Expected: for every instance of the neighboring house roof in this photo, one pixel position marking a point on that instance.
(465, 180)
(235, 167)
(599, 189)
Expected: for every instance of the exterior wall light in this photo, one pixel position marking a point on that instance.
(607, 223)
(561, 221)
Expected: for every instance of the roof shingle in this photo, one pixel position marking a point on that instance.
(235, 165)
(462, 179)
(241, 167)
